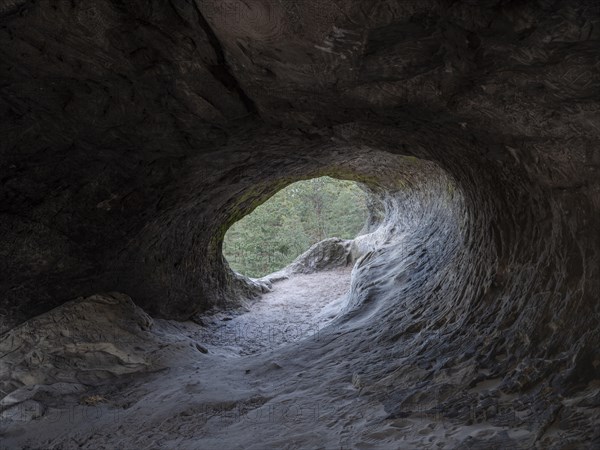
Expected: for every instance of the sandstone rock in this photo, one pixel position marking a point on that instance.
(328, 254)
(81, 344)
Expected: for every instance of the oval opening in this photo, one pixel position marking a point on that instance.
(289, 223)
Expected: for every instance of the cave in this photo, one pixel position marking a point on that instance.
(136, 132)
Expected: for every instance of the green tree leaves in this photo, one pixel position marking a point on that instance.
(295, 218)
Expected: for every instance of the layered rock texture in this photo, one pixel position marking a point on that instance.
(134, 132)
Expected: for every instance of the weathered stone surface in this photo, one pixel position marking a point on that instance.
(135, 132)
(332, 253)
(82, 344)
(86, 342)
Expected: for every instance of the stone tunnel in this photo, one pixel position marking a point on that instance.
(135, 132)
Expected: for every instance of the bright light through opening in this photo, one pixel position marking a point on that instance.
(295, 218)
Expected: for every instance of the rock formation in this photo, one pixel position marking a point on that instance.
(135, 132)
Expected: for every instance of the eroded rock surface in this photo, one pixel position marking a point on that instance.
(88, 343)
(332, 253)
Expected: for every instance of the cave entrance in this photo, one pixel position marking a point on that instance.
(294, 219)
(299, 243)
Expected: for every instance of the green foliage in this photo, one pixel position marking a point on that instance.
(295, 218)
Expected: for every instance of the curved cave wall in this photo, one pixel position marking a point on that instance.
(135, 132)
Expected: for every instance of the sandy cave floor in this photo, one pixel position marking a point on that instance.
(274, 376)
(210, 399)
(297, 309)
